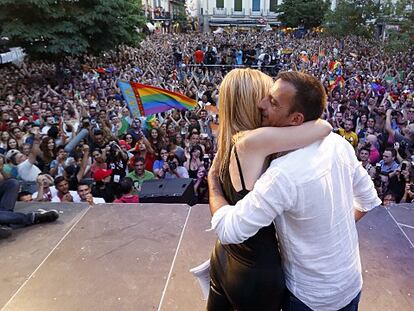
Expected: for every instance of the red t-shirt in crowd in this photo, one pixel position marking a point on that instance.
(149, 161)
(198, 56)
(127, 198)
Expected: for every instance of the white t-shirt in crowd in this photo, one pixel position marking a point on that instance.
(28, 171)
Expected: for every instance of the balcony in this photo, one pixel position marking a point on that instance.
(256, 13)
(270, 13)
(220, 12)
(238, 13)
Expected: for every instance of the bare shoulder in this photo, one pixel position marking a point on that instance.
(248, 165)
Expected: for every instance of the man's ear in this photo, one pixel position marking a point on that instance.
(296, 118)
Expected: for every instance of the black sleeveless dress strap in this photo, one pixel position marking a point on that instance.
(247, 276)
(244, 191)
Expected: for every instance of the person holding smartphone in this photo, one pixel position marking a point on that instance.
(399, 180)
(408, 193)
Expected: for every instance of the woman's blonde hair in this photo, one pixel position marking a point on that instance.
(239, 93)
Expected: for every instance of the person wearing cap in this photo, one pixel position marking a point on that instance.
(103, 187)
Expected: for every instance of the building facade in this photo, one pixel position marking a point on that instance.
(163, 9)
(237, 12)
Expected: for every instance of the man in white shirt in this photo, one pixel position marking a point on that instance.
(63, 193)
(85, 195)
(313, 195)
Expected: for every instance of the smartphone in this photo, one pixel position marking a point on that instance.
(378, 168)
(412, 187)
(403, 166)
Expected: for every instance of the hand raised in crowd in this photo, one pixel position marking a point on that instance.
(89, 199)
(67, 198)
(85, 148)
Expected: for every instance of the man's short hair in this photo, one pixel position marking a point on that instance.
(366, 148)
(310, 97)
(126, 185)
(83, 183)
(139, 159)
(392, 150)
(59, 179)
(22, 194)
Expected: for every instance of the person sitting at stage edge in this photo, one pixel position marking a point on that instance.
(84, 192)
(63, 193)
(126, 189)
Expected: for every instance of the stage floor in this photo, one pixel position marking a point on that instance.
(137, 257)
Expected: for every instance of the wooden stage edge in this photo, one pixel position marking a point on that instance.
(138, 257)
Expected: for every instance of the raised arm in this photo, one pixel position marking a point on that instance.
(269, 140)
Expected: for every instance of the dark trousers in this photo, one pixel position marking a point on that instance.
(8, 195)
(292, 303)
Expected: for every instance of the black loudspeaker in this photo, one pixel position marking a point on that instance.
(177, 190)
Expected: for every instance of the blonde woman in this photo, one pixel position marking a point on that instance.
(249, 276)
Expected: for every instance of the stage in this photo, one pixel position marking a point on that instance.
(137, 257)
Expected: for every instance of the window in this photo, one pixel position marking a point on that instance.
(238, 5)
(255, 5)
(273, 5)
(220, 4)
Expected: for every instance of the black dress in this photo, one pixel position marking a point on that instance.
(247, 276)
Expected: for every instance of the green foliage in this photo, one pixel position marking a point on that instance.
(307, 13)
(402, 40)
(53, 28)
(350, 18)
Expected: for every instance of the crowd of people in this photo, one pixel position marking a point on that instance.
(45, 105)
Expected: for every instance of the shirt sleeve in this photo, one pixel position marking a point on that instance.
(272, 194)
(156, 166)
(365, 195)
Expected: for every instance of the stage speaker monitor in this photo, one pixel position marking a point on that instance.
(177, 190)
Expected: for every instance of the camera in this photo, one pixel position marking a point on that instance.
(172, 165)
(206, 161)
(113, 147)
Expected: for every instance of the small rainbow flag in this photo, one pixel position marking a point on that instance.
(145, 100)
(338, 82)
(334, 65)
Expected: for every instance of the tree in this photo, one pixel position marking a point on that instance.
(403, 39)
(399, 14)
(351, 17)
(307, 13)
(53, 28)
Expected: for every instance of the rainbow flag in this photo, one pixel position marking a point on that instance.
(145, 100)
(334, 65)
(150, 122)
(338, 82)
(377, 88)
